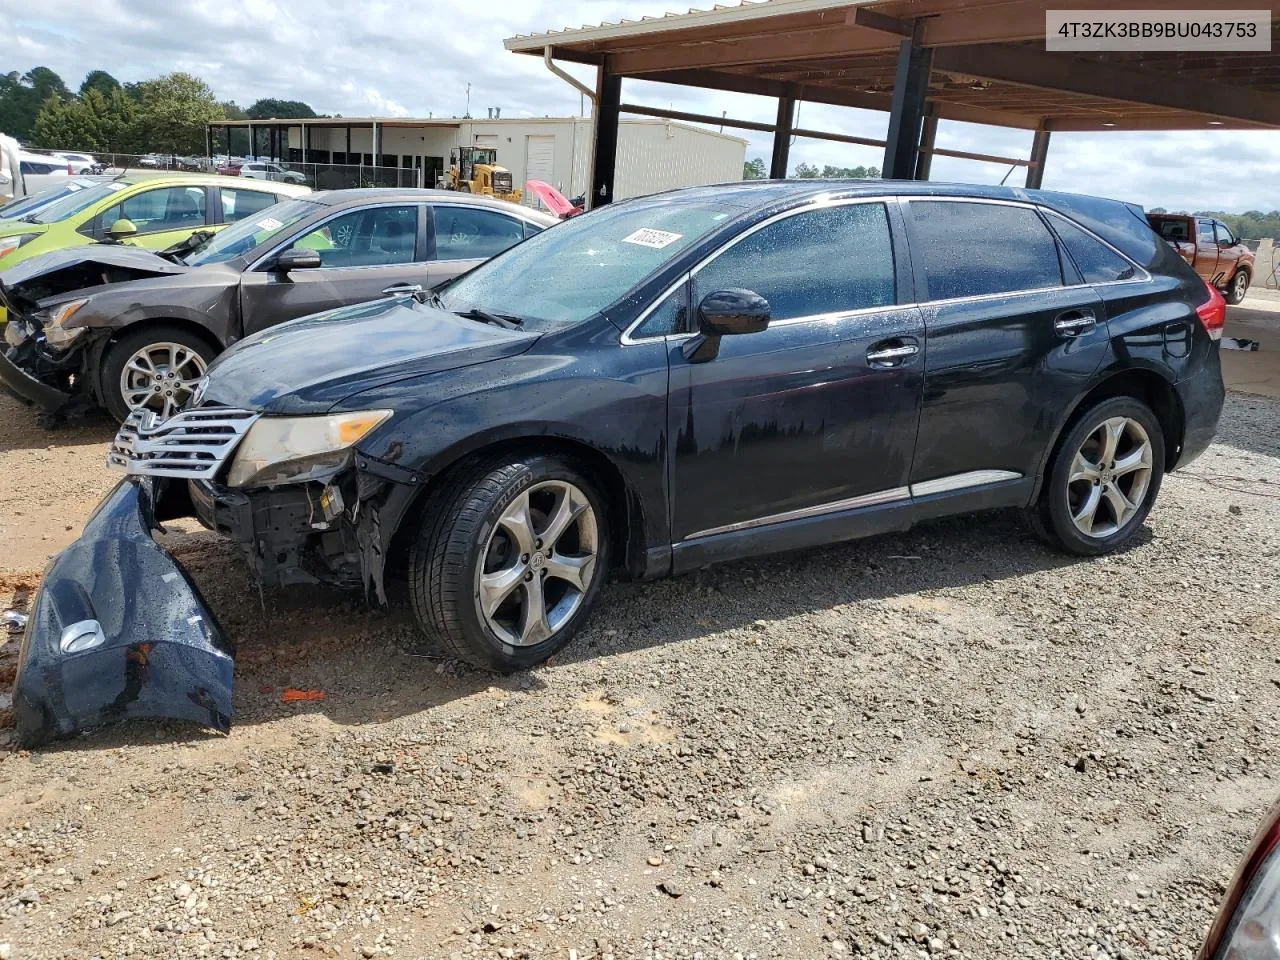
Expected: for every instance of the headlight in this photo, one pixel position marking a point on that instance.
(1254, 930)
(10, 244)
(292, 449)
(52, 319)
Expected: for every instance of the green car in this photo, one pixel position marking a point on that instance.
(151, 212)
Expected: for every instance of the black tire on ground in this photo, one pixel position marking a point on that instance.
(1237, 287)
(1051, 516)
(130, 343)
(451, 543)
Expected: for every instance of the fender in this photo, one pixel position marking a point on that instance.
(1109, 371)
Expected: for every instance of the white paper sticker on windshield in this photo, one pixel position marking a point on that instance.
(270, 223)
(649, 237)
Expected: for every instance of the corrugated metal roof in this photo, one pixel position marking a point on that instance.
(718, 14)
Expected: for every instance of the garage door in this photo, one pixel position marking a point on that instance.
(539, 159)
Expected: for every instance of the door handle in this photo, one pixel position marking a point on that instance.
(402, 289)
(891, 356)
(1075, 322)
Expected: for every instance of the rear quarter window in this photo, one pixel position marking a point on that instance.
(1096, 262)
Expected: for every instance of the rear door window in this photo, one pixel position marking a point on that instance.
(832, 260)
(981, 249)
(1096, 262)
(472, 233)
(238, 204)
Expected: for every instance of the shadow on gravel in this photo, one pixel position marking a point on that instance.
(362, 658)
(1239, 425)
(23, 428)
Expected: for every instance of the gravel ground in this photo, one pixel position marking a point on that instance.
(948, 743)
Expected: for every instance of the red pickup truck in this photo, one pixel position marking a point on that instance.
(1211, 248)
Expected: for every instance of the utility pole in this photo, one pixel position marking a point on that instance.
(468, 113)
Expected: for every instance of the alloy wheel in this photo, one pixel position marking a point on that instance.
(539, 563)
(1241, 285)
(1110, 476)
(161, 377)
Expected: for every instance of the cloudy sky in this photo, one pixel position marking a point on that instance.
(410, 58)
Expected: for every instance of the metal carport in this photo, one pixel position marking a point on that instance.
(921, 61)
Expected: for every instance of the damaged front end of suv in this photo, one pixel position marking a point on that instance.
(267, 455)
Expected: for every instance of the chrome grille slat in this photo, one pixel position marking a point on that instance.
(193, 444)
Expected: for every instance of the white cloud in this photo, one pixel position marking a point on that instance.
(394, 58)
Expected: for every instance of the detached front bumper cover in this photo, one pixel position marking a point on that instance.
(118, 630)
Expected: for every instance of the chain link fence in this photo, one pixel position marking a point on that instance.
(319, 176)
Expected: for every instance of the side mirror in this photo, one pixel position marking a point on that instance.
(121, 229)
(725, 313)
(297, 258)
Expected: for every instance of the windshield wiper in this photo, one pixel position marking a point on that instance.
(504, 320)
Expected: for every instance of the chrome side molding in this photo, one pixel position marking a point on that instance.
(959, 481)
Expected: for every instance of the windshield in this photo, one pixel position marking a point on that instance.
(73, 203)
(579, 267)
(244, 237)
(25, 205)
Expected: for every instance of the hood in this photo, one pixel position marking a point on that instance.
(140, 262)
(307, 365)
(16, 228)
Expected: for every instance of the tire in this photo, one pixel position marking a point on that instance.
(1237, 288)
(1061, 516)
(465, 533)
(191, 351)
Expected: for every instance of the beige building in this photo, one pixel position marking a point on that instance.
(653, 154)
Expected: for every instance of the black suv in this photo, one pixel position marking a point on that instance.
(658, 385)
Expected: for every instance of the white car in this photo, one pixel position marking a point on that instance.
(266, 170)
(81, 163)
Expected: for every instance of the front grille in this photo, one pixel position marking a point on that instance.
(502, 183)
(193, 444)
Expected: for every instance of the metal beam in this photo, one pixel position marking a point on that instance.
(1029, 67)
(928, 134)
(604, 143)
(1039, 151)
(910, 88)
(866, 17)
(695, 117)
(782, 138)
(837, 137)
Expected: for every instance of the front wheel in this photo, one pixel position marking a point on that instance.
(508, 560)
(1103, 480)
(1238, 287)
(154, 368)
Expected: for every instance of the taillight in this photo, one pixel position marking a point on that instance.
(1213, 313)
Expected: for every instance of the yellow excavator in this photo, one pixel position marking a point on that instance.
(475, 170)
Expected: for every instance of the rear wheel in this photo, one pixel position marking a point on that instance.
(508, 560)
(1104, 479)
(1238, 287)
(155, 368)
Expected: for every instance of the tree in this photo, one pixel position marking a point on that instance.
(232, 110)
(806, 172)
(1157, 210)
(268, 108)
(100, 81)
(21, 98)
(173, 112)
(754, 169)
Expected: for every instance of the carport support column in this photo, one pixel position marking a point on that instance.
(1039, 153)
(373, 138)
(208, 140)
(928, 135)
(782, 138)
(604, 147)
(253, 144)
(906, 117)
